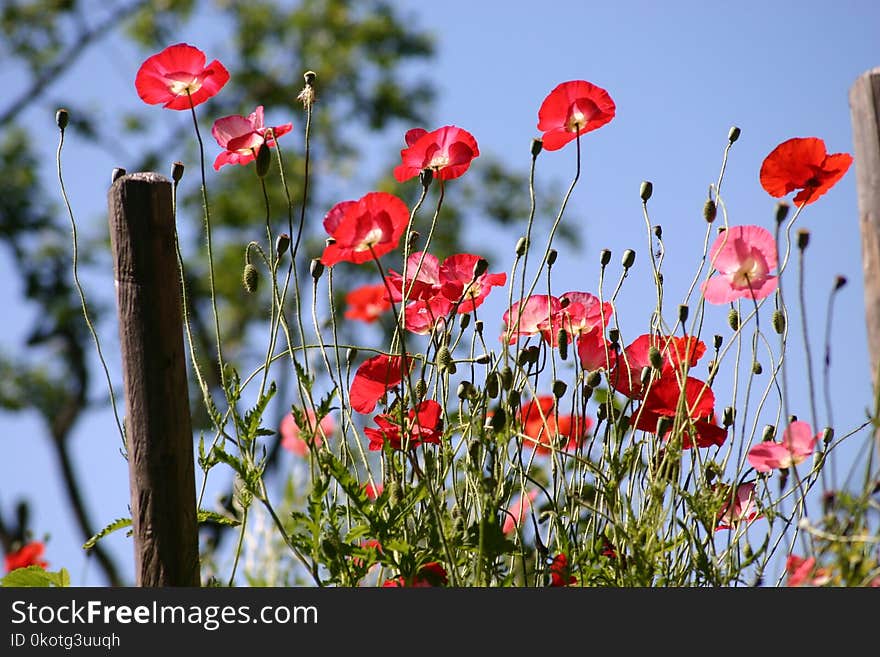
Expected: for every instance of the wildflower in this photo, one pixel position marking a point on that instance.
(242, 137)
(423, 424)
(367, 302)
(798, 442)
(178, 78)
(560, 574)
(457, 282)
(579, 313)
(422, 278)
(431, 574)
(803, 163)
(674, 352)
(29, 554)
(571, 109)
(542, 427)
(744, 257)
(364, 229)
(447, 151)
(662, 400)
(374, 378)
(517, 511)
(529, 317)
(803, 572)
(741, 509)
(292, 438)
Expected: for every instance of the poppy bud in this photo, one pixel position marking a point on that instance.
(522, 244)
(537, 147)
(594, 379)
(728, 416)
(769, 433)
(645, 191)
(498, 419)
(464, 321)
(426, 177)
(827, 435)
(394, 493)
(655, 358)
(613, 336)
(803, 238)
(587, 392)
(250, 278)
(514, 399)
(444, 359)
(552, 254)
(710, 210)
(782, 209)
(481, 267)
(478, 326)
(559, 388)
(351, 355)
(483, 359)
(117, 173)
(420, 389)
(506, 377)
(682, 313)
(605, 257)
(562, 340)
(264, 159)
(757, 368)
(282, 243)
(601, 412)
(62, 118)
(628, 259)
(177, 171)
(645, 376)
(778, 321)
(717, 341)
(316, 268)
(839, 282)
(493, 385)
(463, 390)
(733, 319)
(733, 135)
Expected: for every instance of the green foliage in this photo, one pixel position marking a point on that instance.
(34, 576)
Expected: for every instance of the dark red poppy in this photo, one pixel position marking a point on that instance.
(447, 151)
(374, 378)
(560, 574)
(662, 401)
(802, 163)
(364, 229)
(571, 109)
(29, 554)
(423, 424)
(431, 574)
(367, 302)
(178, 78)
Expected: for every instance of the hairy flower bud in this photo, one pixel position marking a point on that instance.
(778, 321)
(464, 321)
(710, 211)
(594, 379)
(559, 388)
(655, 358)
(316, 268)
(506, 377)
(282, 243)
(250, 278)
(522, 245)
(421, 389)
(733, 319)
(444, 360)
(562, 340)
(493, 385)
(552, 254)
(757, 368)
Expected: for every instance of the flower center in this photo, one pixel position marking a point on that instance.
(370, 240)
(180, 87)
(750, 271)
(576, 122)
(438, 162)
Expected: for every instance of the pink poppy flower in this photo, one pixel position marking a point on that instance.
(594, 351)
(798, 442)
(374, 378)
(571, 109)
(423, 424)
(364, 229)
(178, 78)
(803, 572)
(802, 163)
(529, 317)
(447, 151)
(579, 313)
(422, 316)
(242, 137)
(517, 511)
(292, 436)
(742, 508)
(422, 278)
(743, 257)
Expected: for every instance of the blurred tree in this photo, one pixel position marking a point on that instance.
(371, 64)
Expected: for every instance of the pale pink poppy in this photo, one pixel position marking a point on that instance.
(291, 433)
(517, 511)
(798, 442)
(742, 509)
(743, 256)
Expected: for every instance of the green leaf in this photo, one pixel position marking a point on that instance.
(34, 577)
(119, 523)
(218, 518)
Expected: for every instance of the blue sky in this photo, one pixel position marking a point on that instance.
(680, 73)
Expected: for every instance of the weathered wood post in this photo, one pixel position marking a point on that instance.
(157, 423)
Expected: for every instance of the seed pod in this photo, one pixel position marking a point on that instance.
(250, 278)
(605, 257)
(655, 358)
(645, 376)
(646, 190)
(717, 341)
(463, 321)
(757, 368)
(316, 268)
(562, 340)
(839, 282)
(62, 117)
(733, 135)
(426, 177)
(728, 416)
(803, 238)
(782, 209)
(264, 159)
(658, 231)
(522, 245)
(559, 388)
(282, 243)
(514, 399)
(493, 385)
(498, 419)
(506, 377)
(481, 267)
(463, 390)
(594, 379)
(537, 147)
(628, 259)
(613, 336)
(769, 433)
(177, 171)
(552, 254)
(478, 326)
(683, 313)
(483, 359)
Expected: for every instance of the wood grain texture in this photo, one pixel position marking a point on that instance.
(157, 424)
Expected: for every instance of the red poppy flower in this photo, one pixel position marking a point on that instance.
(363, 229)
(367, 302)
(803, 163)
(674, 351)
(431, 574)
(542, 428)
(291, 434)
(178, 78)
(373, 491)
(422, 278)
(242, 137)
(374, 378)
(571, 109)
(743, 256)
(29, 554)
(458, 283)
(423, 424)
(560, 575)
(803, 572)
(594, 351)
(447, 151)
(662, 401)
(421, 316)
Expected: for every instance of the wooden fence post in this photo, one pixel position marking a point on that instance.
(157, 424)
